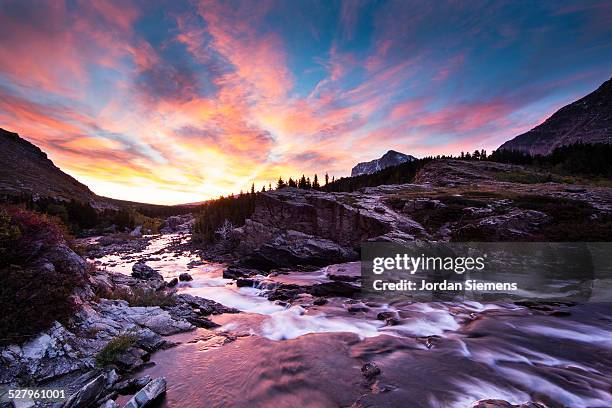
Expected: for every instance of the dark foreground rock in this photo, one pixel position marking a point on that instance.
(152, 391)
(87, 395)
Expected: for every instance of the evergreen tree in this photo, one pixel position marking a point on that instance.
(315, 182)
(308, 184)
(253, 188)
(263, 189)
(280, 183)
(476, 154)
(291, 182)
(302, 182)
(326, 179)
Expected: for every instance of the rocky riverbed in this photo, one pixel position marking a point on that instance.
(283, 323)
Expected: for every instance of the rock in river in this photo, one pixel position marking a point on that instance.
(154, 389)
(185, 277)
(141, 270)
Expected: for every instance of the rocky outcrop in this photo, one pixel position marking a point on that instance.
(449, 200)
(178, 223)
(391, 158)
(292, 226)
(514, 225)
(588, 120)
(69, 353)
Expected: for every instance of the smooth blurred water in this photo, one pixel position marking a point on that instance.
(438, 354)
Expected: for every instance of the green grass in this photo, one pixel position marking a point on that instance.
(533, 178)
(115, 348)
(140, 297)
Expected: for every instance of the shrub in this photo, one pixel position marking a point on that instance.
(36, 233)
(31, 297)
(114, 349)
(9, 233)
(140, 297)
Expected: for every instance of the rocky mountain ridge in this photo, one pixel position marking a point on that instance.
(587, 120)
(391, 158)
(26, 169)
(449, 200)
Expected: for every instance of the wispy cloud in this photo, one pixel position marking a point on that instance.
(183, 101)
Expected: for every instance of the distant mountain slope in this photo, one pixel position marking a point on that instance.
(588, 120)
(27, 170)
(391, 158)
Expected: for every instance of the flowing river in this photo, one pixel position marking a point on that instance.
(436, 354)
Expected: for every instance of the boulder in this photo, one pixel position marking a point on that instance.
(136, 232)
(236, 272)
(141, 270)
(88, 394)
(320, 301)
(205, 306)
(148, 340)
(245, 282)
(173, 282)
(185, 277)
(386, 315)
(357, 309)
(335, 288)
(296, 248)
(162, 323)
(153, 390)
(132, 359)
(132, 385)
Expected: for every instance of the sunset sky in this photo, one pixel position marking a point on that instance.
(173, 102)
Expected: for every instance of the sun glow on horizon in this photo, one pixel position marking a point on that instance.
(177, 102)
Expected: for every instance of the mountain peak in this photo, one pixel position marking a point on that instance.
(587, 120)
(391, 158)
